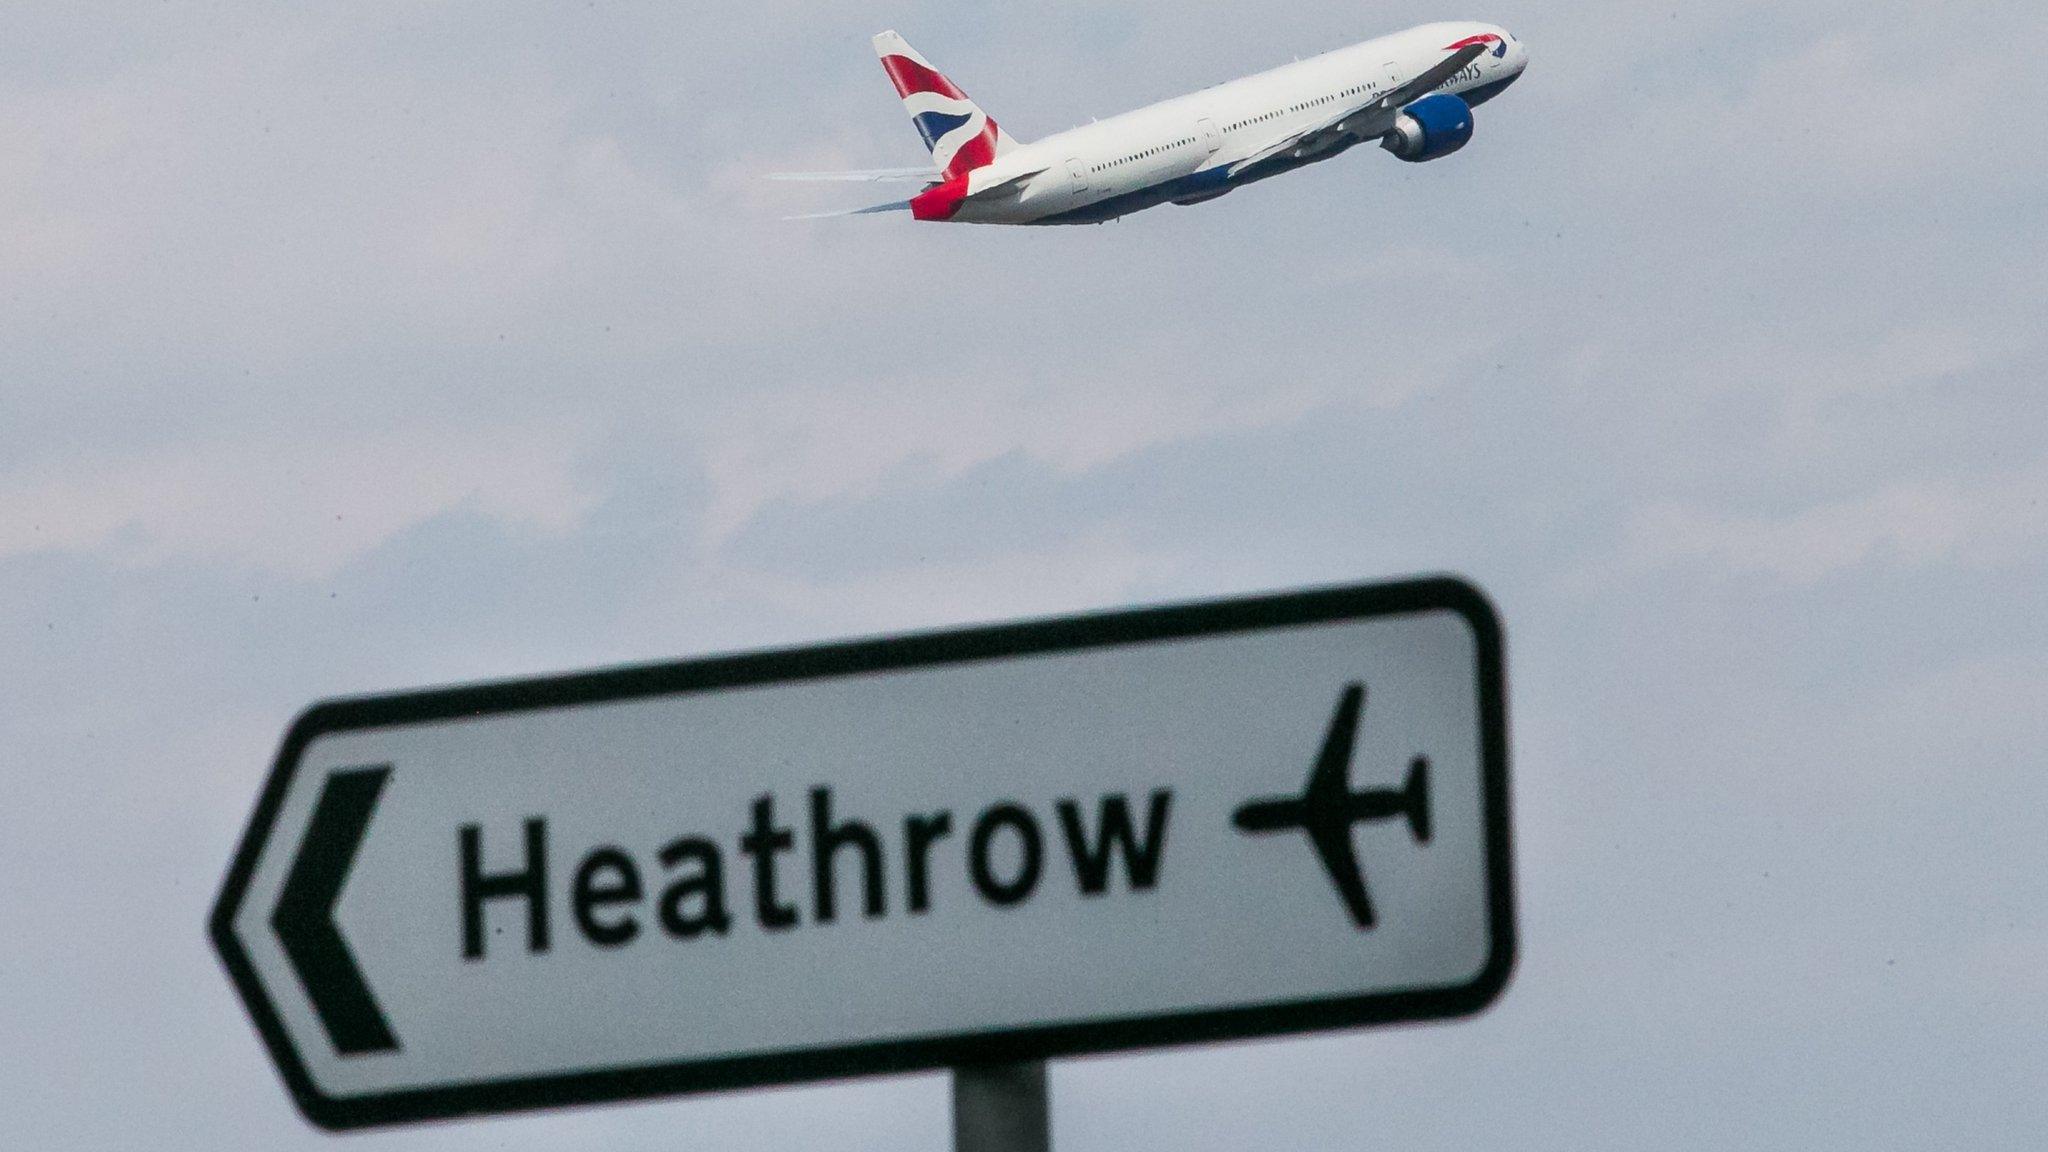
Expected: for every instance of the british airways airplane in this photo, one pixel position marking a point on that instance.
(1412, 91)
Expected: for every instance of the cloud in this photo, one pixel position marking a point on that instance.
(1982, 520)
(299, 504)
(817, 442)
(1089, 569)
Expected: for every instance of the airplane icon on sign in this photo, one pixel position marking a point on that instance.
(1328, 807)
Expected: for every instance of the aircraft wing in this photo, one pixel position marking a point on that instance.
(1367, 121)
(1329, 783)
(1427, 82)
(866, 175)
(1327, 820)
(1332, 839)
(1009, 183)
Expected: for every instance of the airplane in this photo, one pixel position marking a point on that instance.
(1412, 91)
(1328, 807)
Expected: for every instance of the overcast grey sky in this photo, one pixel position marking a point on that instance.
(381, 345)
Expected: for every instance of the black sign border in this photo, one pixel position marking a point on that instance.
(1002, 641)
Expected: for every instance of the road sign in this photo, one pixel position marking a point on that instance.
(999, 844)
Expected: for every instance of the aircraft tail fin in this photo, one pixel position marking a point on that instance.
(959, 134)
(1415, 798)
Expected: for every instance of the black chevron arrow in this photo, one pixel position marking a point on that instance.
(304, 920)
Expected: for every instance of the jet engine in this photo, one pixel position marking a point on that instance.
(1436, 125)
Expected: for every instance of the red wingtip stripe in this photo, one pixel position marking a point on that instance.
(910, 78)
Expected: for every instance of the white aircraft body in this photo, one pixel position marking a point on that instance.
(1412, 92)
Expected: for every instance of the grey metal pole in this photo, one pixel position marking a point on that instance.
(1001, 1108)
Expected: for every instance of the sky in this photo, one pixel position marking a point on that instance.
(387, 345)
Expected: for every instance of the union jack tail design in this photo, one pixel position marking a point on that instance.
(960, 135)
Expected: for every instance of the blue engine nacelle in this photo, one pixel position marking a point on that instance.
(1436, 125)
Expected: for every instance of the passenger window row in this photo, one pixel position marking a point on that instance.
(1136, 156)
(1317, 102)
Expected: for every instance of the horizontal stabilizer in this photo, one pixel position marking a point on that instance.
(1415, 798)
(1011, 182)
(893, 206)
(869, 175)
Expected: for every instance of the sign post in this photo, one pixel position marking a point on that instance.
(974, 849)
(1001, 1108)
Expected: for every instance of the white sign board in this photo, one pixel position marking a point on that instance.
(1103, 832)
